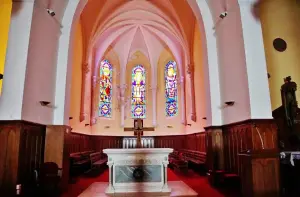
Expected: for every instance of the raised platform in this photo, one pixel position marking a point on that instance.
(178, 189)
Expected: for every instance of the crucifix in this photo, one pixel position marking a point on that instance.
(138, 130)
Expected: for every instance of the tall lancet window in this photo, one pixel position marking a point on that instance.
(105, 101)
(171, 89)
(138, 92)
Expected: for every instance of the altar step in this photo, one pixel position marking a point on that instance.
(179, 189)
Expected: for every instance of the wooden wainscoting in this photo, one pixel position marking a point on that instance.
(172, 141)
(22, 152)
(77, 142)
(195, 141)
(103, 142)
(253, 135)
(251, 152)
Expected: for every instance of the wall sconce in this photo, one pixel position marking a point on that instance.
(223, 15)
(70, 118)
(229, 103)
(51, 12)
(44, 103)
(204, 118)
(87, 124)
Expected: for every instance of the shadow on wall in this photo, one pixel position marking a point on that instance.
(255, 9)
(16, 7)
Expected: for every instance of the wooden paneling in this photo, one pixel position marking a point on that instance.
(103, 142)
(251, 135)
(260, 174)
(194, 141)
(22, 152)
(76, 142)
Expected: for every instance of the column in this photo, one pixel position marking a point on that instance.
(16, 60)
(122, 89)
(165, 171)
(85, 69)
(190, 72)
(94, 102)
(260, 103)
(182, 87)
(110, 189)
(64, 66)
(154, 99)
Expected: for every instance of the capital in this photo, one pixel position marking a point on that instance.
(85, 68)
(193, 117)
(190, 68)
(94, 120)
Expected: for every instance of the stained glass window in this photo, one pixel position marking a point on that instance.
(105, 101)
(138, 92)
(171, 89)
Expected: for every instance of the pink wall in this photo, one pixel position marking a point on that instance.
(232, 65)
(40, 72)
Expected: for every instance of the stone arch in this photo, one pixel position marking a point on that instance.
(206, 17)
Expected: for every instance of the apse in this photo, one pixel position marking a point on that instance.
(138, 62)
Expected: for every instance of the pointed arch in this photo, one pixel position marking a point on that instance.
(138, 92)
(105, 98)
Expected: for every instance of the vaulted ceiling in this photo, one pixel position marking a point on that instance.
(138, 25)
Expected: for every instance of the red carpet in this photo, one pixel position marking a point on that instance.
(195, 181)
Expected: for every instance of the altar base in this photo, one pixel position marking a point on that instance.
(138, 170)
(178, 189)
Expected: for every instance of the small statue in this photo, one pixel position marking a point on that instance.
(289, 101)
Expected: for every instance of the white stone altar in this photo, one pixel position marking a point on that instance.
(138, 170)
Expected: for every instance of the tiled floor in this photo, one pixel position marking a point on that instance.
(178, 189)
(195, 181)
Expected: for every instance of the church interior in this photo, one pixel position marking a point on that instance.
(149, 98)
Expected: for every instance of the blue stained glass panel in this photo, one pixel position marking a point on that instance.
(105, 101)
(138, 92)
(171, 89)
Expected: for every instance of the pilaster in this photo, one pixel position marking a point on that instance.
(85, 70)
(259, 93)
(16, 60)
(183, 106)
(190, 72)
(154, 101)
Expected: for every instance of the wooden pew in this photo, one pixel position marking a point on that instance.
(195, 159)
(98, 160)
(178, 163)
(79, 162)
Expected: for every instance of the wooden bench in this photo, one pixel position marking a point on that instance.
(177, 163)
(195, 157)
(79, 162)
(98, 160)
